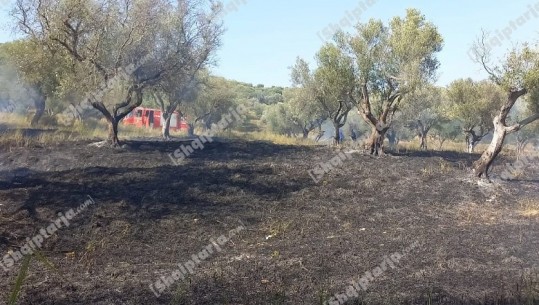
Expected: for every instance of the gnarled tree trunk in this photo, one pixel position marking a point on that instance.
(422, 132)
(376, 141)
(471, 141)
(113, 132)
(482, 166)
(119, 112)
(336, 135)
(393, 138)
(472, 138)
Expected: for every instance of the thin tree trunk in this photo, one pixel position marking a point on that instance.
(471, 141)
(482, 166)
(337, 137)
(522, 142)
(442, 141)
(306, 133)
(165, 130)
(191, 130)
(423, 141)
(39, 102)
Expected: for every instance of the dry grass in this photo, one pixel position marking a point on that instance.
(14, 120)
(20, 139)
(16, 132)
(454, 146)
(269, 137)
(529, 208)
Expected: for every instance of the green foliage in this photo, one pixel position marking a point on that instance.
(30, 72)
(328, 88)
(472, 103)
(213, 99)
(392, 60)
(425, 104)
(119, 49)
(304, 110)
(445, 129)
(518, 71)
(334, 79)
(17, 288)
(21, 277)
(279, 120)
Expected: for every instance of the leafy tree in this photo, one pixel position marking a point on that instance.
(119, 48)
(305, 113)
(36, 73)
(279, 119)
(329, 85)
(445, 129)
(213, 99)
(390, 61)
(422, 110)
(473, 104)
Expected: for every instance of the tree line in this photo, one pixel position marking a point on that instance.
(115, 55)
(386, 73)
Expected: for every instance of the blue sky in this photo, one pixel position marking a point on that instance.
(263, 37)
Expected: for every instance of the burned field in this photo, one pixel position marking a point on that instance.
(302, 242)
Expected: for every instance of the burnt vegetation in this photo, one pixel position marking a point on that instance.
(361, 157)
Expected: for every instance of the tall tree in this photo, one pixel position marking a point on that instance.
(391, 61)
(120, 47)
(304, 111)
(517, 76)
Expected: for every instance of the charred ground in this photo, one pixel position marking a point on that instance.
(303, 241)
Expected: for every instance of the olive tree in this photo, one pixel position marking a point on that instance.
(212, 98)
(473, 104)
(391, 61)
(304, 112)
(35, 73)
(330, 85)
(279, 120)
(421, 110)
(518, 76)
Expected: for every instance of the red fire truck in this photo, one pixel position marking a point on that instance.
(151, 118)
